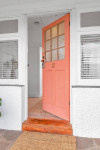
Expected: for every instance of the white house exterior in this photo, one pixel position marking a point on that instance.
(84, 93)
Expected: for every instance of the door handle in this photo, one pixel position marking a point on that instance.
(43, 63)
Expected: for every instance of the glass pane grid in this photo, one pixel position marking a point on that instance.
(55, 43)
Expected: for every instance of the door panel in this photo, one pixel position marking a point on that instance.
(60, 86)
(56, 70)
(49, 85)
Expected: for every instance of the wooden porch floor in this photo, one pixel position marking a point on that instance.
(35, 110)
(42, 121)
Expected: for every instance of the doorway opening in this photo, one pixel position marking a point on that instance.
(35, 74)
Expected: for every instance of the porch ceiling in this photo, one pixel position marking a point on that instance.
(18, 7)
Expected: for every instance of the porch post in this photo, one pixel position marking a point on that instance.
(23, 30)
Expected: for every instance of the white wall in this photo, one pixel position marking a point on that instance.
(11, 107)
(40, 70)
(86, 112)
(85, 95)
(34, 44)
(14, 107)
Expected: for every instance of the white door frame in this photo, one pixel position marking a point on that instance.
(43, 14)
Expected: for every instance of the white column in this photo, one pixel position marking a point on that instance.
(23, 31)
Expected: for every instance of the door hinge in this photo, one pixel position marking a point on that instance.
(69, 102)
(69, 23)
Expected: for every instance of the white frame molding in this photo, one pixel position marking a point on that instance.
(84, 31)
(86, 10)
(15, 36)
(71, 37)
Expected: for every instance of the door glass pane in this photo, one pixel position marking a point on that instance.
(47, 45)
(61, 28)
(54, 43)
(54, 55)
(48, 56)
(54, 31)
(48, 34)
(61, 53)
(61, 41)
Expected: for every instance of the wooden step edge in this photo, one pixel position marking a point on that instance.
(48, 122)
(46, 129)
(54, 120)
(48, 126)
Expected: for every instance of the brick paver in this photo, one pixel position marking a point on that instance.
(8, 138)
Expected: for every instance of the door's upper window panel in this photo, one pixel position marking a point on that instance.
(48, 56)
(8, 26)
(54, 55)
(54, 31)
(62, 28)
(61, 41)
(61, 53)
(48, 45)
(90, 19)
(54, 43)
(48, 34)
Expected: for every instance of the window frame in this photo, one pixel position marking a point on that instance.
(86, 10)
(83, 31)
(13, 81)
(21, 52)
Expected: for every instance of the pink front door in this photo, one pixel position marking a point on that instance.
(56, 70)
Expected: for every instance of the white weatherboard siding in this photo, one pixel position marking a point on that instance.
(11, 107)
(86, 112)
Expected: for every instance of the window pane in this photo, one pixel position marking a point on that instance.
(48, 34)
(54, 43)
(8, 26)
(54, 55)
(47, 45)
(62, 28)
(9, 59)
(61, 41)
(54, 31)
(90, 56)
(61, 53)
(48, 56)
(90, 19)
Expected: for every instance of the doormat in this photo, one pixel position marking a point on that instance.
(44, 141)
